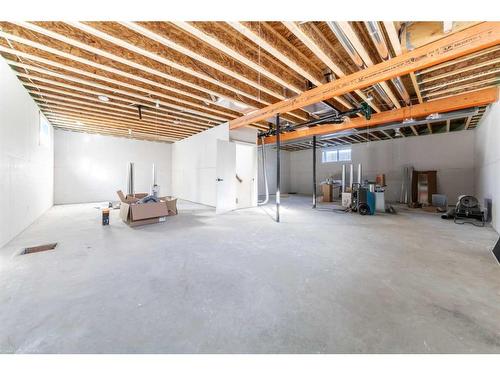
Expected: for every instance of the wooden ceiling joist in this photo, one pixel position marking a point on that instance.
(90, 63)
(358, 45)
(196, 32)
(191, 76)
(458, 60)
(149, 123)
(113, 82)
(313, 44)
(105, 130)
(154, 56)
(164, 40)
(144, 100)
(248, 32)
(119, 112)
(483, 83)
(127, 62)
(396, 46)
(457, 102)
(88, 119)
(453, 46)
(89, 102)
(467, 68)
(133, 64)
(120, 99)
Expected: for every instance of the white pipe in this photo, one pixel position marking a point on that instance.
(360, 173)
(351, 176)
(264, 171)
(153, 183)
(343, 178)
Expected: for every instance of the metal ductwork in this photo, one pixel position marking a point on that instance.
(383, 50)
(354, 55)
(397, 125)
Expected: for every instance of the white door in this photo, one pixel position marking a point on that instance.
(226, 176)
(246, 170)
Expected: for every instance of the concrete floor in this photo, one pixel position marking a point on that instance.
(319, 282)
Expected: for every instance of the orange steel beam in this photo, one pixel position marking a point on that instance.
(453, 103)
(481, 36)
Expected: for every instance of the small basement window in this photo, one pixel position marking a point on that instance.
(334, 155)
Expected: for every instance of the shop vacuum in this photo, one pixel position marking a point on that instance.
(467, 210)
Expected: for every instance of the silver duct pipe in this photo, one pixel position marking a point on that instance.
(346, 43)
(354, 55)
(360, 174)
(383, 50)
(343, 178)
(130, 181)
(153, 181)
(351, 176)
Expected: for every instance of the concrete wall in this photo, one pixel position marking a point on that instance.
(91, 168)
(451, 154)
(194, 166)
(487, 161)
(26, 166)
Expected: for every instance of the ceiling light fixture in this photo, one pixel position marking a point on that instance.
(103, 98)
(157, 103)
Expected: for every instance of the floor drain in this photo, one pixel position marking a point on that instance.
(37, 249)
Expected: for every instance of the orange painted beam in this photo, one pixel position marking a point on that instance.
(453, 103)
(470, 40)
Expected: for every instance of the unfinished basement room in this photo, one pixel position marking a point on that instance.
(249, 187)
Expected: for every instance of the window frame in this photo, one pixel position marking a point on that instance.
(337, 153)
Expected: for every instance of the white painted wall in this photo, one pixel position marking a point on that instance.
(194, 162)
(487, 161)
(26, 167)
(272, 174)
(91, 167)
(451, 154)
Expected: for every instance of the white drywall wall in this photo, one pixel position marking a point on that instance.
(487, 161)
(451, 154)
(194, 165)
(91, 167)
(26, 166)
(271, 168)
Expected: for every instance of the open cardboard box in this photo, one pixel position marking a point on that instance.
(147, 213)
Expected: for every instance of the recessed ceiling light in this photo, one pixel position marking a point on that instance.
(103, 98)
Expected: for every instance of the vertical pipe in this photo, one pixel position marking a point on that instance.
(130, 182)
(343, 178)
(360, 173)
(351, 176)
(314, 172)
(153, 182)
(278, 172)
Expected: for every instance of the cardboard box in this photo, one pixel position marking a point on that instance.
(327, 192)
(146, 213)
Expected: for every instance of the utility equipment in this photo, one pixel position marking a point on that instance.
(467, 210)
